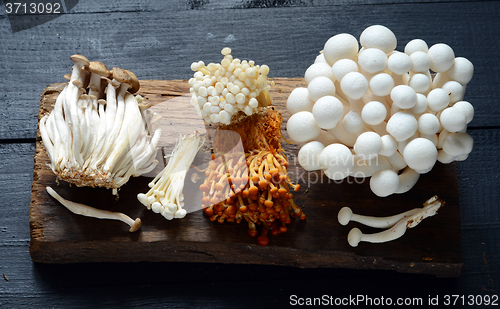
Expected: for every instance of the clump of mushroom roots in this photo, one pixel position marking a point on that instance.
(99, 133)
(250, 182)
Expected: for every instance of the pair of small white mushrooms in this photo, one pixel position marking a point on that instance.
(396, 225)
(374, 112)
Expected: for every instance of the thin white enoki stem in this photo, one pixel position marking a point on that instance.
(84, 210)
(149, 150)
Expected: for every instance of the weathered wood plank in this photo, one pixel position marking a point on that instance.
(162, 44)
(50, 285)
(60, 237)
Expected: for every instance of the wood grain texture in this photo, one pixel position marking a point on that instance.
(60, 237)
(166, 38)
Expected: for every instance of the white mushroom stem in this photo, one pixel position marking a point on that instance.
(346, 215)
(397, 230)
(165, 196)
(87, 211)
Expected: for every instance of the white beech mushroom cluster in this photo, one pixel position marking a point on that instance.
(99, 133)
(165, 196)
(376, 111)
(396, 225)
(220, 90)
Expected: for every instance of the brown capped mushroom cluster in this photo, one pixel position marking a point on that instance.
(250, 182)
(99, 133)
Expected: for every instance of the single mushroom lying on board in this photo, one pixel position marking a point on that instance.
(87, 211)
(397, 224)
(99, 133)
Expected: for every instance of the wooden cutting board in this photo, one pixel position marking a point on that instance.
(58, 236)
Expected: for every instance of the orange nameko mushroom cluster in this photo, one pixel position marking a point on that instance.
(247, 178)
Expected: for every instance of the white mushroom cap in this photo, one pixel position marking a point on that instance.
(421, 105)
(328, 111)
(320, 58)
(428, 124)
(461, 70)
(374, 113)
(457, 144)
(318, 69)
(421, 62)
(340, 46)
(368, 145)
(455, 91)
(337, 161)
(299, 101)
(354, 85)
(344, 66)
(399, 63)
(372, 60)
(320, 87)
(381, 84)
(302, 127)
(438, 99)
(404, 96)
(402, 125)
(420, 154)
(309, 155)
(433, 138)
(416, 45)
(452, 119)
(420, 82)
(442, 57)
(352, 122)
(384, 182)
(466, 108)
(380, 37)
(389, 145)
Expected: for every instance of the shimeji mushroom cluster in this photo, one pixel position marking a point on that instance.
(376, 111)
(220, 90)
(99, 133)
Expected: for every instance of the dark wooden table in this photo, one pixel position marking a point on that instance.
(159, 40)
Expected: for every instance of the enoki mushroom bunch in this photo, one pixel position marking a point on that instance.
(250, 182)
(99, 133)
(220, 90)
